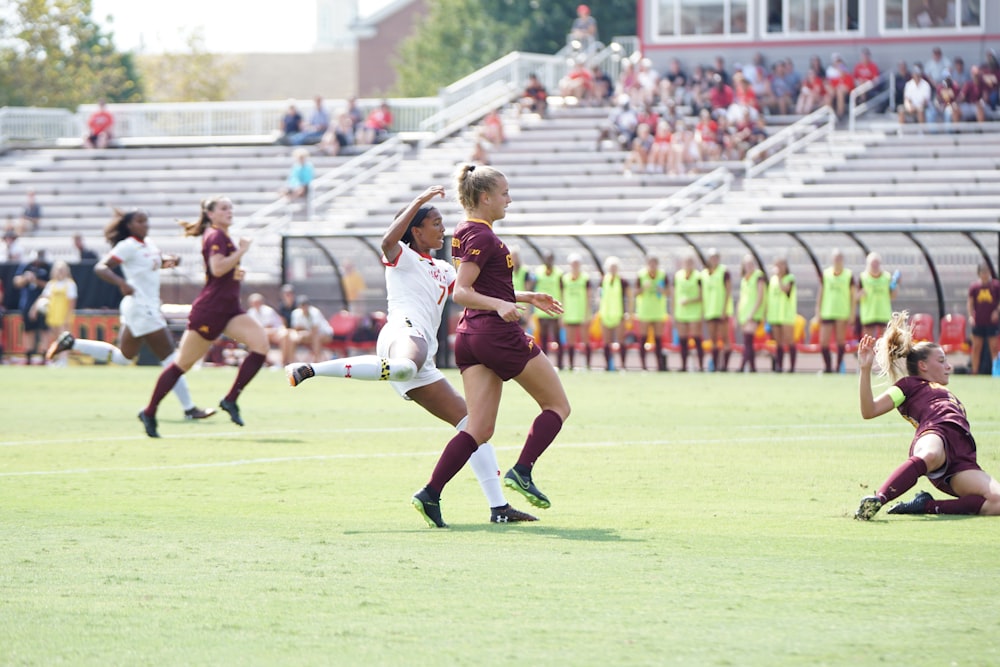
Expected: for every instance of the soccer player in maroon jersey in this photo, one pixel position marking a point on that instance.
(943, 448)
(215, 311)
(490, 345)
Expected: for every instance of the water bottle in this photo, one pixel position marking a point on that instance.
(843, 366)
(996, 367)
(895, 279)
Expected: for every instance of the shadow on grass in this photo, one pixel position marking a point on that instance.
(522, 529)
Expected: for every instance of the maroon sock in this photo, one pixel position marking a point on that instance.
(248, 369)
(684, 354)
(543, 431)
(586, 352)
(725, 359)
(792, 353)
(715, 356)
(700, 351)
(168, 378)
(572, 355)
(902, 479)
(840, 357)
(749, 359)
(964, 505)
(779, 359)
(455, 455)
(826, 360)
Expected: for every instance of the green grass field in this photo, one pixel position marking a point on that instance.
(696, 520)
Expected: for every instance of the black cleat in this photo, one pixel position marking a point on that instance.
(869, 507)
(523, 485)
(149, 423)
(60, 345)
(508, 514)
(198, 413)
(233, 410)
(428, 508)
(298, 373)
(916, 506)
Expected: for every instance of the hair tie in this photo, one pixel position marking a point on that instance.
(470, 168)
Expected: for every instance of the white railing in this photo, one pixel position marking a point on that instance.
(468, 111)
(611, 57)
(773, 150)
(512, 68)
(256, 119)
(706, 190)
(35, 124)
(867, 102)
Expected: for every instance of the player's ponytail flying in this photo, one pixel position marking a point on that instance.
(896, 355)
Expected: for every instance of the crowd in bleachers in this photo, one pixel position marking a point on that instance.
(350, 128)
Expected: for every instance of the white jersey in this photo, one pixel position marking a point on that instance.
(417, 287)
(140, 261)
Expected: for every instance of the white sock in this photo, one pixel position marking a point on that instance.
(180, 390)
(367, 367)
(484, 464)
(100, 350)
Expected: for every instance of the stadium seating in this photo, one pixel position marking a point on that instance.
(923, 326)
(952, 337)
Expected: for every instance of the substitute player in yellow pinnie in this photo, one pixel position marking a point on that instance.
(548, 280)
(576, 296)
(688, 313)
(717, 300)
(651, 291)
(834, 309)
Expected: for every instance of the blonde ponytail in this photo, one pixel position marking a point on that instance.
(896, 354)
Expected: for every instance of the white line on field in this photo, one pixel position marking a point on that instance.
(389, 455)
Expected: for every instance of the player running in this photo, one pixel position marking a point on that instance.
(417, 286)
(216, 311)
(491, 347)
(141, 319)
(943, 448)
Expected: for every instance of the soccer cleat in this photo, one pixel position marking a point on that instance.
(916, 506)
(60, 345)
(198, 413)
(869, 507)
(233, 410)
(523, 485)
(298, 373)
(428, 508)
(149, 423)
(508, 514)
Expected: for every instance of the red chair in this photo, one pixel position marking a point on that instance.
(953, 334)
(344, 324)
(811, 344)
(922, 325)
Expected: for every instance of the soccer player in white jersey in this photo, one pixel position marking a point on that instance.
(141, 319)
(417, 286)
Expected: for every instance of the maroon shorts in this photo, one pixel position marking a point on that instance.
(209, 324)
(959, 452)
(506, 353)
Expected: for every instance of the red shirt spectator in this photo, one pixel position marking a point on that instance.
(99, 127)
(866, 69)
(721, 96)
(744, 93)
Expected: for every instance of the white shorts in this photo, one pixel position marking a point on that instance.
(141, 318)
(427, 374)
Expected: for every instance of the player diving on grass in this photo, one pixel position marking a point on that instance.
(943, 448)
(141, 319)
(417, 286)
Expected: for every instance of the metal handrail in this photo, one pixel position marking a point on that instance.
(855, 109)
(705, 190)
(801, 133)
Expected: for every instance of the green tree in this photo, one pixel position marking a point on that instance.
(53, 54)
(194, 75)
(457, 37)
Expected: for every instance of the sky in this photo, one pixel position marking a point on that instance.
(229, 26)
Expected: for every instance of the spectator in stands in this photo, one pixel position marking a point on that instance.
(31, 214)
(840, 82)
(685, 153)
(747, 133)
(721, 96)
(268, 318)
(621, 125)
(782, 98)
(648, 80)
(30, 279)
(991, 78)
(377, 126)
(492, 128)
(934, 68)
(984, 315)
(816, 65)
(286, 303)
(674, 70)
(958, 73)
(638, 157)
(757, 75)
(945, 102)
(86, 254)
(339, 136)
(99, 127)
(700, 86)
(972, 99)
(720, 69)
(312, 132)
(584, 29)
(13, 250)
(814, 94)
(578, 83)
(353, 285)
(793, 78)
(309, 328)
(57, 304)
(659, 154)
(835, 302)
(707, 137)
(604, 87)
(902, 78)
(865, 70)
(300, 175)
(548, 280)
(916, 97)
(291, 124)
(627, 83)
(535, 97)
(355, 113)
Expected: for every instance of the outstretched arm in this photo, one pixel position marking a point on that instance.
(871, 407)
(393, 235)
(466, 295)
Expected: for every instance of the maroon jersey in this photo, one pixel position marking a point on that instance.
(475, 242)
(984, 301)
(926, 404)
(220, 293)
